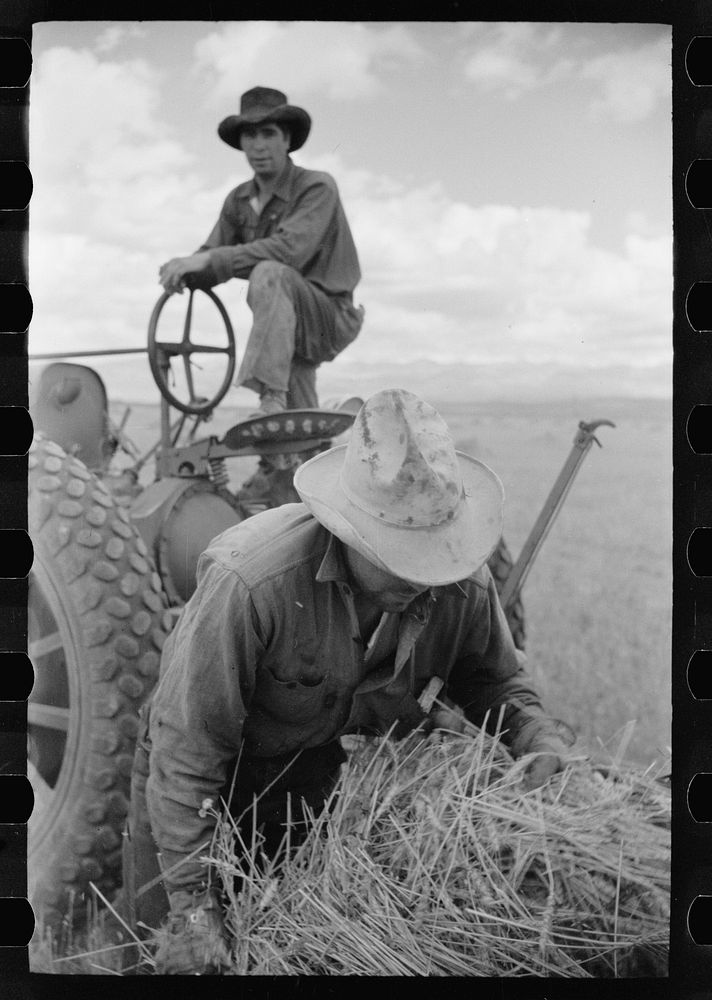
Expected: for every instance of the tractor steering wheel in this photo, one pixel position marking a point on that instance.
(161, 352)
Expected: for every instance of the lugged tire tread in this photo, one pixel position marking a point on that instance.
(102, 568)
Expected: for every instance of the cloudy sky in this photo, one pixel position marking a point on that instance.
(508, 186)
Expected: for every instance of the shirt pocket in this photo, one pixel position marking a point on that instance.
(269, 222)
(290, 700)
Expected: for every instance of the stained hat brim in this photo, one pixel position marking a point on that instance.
(297, 119)
(429, 556)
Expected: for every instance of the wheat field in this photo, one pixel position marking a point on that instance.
(598, 600)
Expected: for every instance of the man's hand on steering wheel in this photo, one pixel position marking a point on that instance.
(173, 274)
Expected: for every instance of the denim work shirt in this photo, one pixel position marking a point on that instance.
(267, 656)
(303, 225)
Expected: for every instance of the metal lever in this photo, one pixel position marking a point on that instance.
(585, 437)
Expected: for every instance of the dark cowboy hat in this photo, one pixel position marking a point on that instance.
(262, 104)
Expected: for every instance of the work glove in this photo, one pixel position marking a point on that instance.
(193, 941)
(548, 742)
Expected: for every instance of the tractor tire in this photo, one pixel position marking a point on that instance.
(97, 619)
(500, 563)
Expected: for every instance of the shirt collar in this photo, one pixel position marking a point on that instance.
(281, 188)
(333, 568)
(451, 590)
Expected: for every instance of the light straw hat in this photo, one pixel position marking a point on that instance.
(400, 494)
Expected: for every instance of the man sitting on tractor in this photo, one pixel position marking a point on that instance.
(286, 232)
(311, 621)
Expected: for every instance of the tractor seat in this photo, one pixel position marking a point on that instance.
(70, 406)
(288, 427)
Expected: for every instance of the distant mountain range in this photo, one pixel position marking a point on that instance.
(128, 378)
(469, 383)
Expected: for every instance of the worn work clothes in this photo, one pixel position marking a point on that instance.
(303, 225)
(299, 256)
(267, 657)
(294, 325)
(307, 777)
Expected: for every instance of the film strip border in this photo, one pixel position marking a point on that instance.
(691, 920)
(691, 913)
(16, 676)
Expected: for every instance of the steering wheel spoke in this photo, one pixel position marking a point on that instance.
(188, 317)
(160, 350)
(189, 376)
(183, 349)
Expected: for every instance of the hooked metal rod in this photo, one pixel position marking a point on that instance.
(582, 443)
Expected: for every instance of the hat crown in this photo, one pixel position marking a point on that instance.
(265, 104)
(400, 464)
(260, 101)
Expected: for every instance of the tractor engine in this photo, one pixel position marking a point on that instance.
(177, 518)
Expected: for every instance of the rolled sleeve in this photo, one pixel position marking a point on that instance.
(197, 715)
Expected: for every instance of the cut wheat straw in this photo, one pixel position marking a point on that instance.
(434, 860)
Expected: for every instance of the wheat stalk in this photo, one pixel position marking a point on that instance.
(434, 860)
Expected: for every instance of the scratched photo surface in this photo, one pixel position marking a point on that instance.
(508, 189)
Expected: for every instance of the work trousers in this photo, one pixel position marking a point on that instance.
(307, 777)
(295, 326)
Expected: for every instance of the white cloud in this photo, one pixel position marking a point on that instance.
(104, 162)
(107, 175)
(84, 291)
(110, 38)
(640, 224)
(115, 34)
(517, 58)
(339, 59)
(94, 126)
(482, 283)
(94, 104)
(633, 83)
